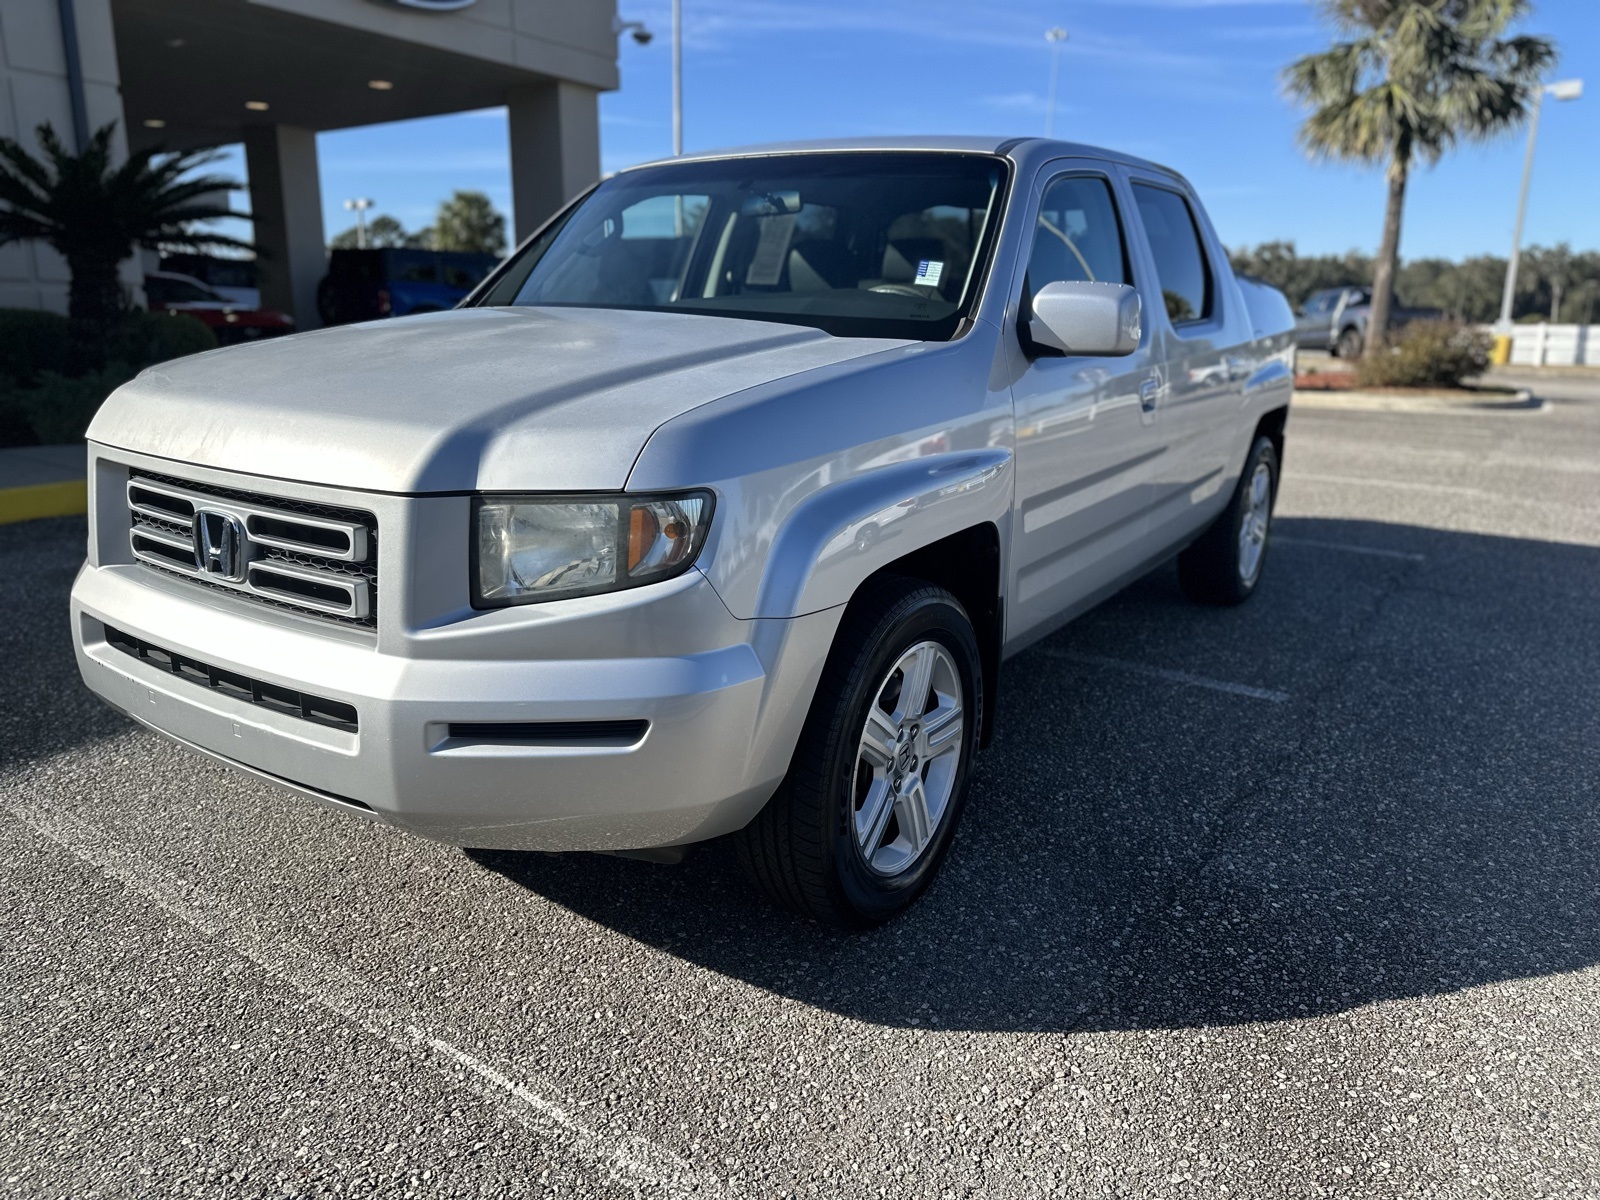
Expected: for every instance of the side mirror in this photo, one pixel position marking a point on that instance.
(1086, 318)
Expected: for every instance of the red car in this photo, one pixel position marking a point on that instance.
(166, 291)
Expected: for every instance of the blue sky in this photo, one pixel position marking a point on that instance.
(1190, 83)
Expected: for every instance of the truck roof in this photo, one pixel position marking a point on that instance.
(1015, 148)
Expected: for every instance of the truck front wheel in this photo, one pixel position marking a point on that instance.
(1348, 347)
(861, 823)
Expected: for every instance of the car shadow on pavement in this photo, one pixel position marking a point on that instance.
(1420, 815)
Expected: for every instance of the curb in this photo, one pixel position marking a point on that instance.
(1522, 401)
(68, 498)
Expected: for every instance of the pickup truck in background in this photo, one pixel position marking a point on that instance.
(711, 513)
(1335, 319)
(364, 285)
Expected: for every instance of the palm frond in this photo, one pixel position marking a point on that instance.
(18, 227)
(23, 166)
(1413, 77)
(95, 211)
(179, 239)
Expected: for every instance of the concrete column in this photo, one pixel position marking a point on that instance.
(286, 200)
(555, 149)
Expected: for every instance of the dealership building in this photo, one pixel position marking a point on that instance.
(271, 74)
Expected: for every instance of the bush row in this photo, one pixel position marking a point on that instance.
(53, 379)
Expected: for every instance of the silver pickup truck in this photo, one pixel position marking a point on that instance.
(1336, 320)
(712, 512)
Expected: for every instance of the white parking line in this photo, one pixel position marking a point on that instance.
(631, 1160)
(1345, 548)
(1405, 485)
(1133, 668)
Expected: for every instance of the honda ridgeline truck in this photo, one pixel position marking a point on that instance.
(712, 512)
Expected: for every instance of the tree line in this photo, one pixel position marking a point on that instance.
(466, 221)
(1553, 282)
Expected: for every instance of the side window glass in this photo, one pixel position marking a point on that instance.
(1175, 245)
(1077, 238)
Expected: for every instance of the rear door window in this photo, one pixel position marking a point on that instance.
(1180, 258)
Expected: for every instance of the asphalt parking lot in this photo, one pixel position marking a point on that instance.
(1298, 899)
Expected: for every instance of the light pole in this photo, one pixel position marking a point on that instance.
(1566, 89)
(1055, 37)
(677, 77)
(359, 207)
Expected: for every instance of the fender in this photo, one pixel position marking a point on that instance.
(841, 534)
(1271, 376)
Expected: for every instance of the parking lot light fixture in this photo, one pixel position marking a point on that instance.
(1055, 37)
(359, 206)
(1564, 89)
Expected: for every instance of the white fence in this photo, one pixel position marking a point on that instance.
(1554, 345)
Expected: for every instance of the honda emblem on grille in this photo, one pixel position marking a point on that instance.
(219, 545)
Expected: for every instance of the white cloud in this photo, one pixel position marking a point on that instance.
(1024, 102)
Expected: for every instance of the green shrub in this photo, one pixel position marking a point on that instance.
(15, 427)
(60, 407)
(1428, 354)
(51, 381)
(32, 341)
(144, 338)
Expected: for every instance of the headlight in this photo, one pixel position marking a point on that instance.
(527, 550)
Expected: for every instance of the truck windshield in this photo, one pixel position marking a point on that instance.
(859, 244)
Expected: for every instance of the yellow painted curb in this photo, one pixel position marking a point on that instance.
(68, 498)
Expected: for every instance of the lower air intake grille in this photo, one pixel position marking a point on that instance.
(566, 733)
(315, 709)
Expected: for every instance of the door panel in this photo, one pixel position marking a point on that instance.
(1087, 447)
(1313, 324)
(1199, 347)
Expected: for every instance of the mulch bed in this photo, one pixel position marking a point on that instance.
(1326, 381)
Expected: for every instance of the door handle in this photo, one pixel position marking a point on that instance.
(1149, 393)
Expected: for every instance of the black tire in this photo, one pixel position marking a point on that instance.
(1213, 569)
(802, 848)
(1348, 347)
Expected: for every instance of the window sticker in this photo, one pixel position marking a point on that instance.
(772, 250)
(928, 272)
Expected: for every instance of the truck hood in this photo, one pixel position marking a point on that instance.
(491, 399)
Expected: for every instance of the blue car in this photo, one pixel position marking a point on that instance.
(363, 285)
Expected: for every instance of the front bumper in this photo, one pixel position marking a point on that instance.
(721, 699)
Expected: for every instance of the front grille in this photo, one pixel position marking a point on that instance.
(317, 709)
(294, 554)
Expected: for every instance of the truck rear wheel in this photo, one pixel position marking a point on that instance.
(1224, 565)
(862, 822)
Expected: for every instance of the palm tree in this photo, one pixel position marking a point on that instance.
(95, 213)
(1409, 79)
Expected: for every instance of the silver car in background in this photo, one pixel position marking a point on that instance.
(712, 512)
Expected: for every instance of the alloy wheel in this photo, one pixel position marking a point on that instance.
(908, 759)
(1253, 522)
